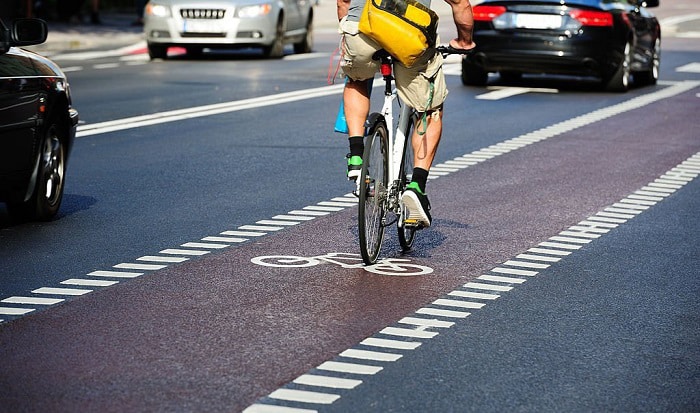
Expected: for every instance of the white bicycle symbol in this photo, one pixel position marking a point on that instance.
(387, 266)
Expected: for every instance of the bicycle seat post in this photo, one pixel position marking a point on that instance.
(386, 70)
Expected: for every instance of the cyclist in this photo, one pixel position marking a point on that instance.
(421, 86)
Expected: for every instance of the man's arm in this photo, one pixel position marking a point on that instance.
(464, 21)
(343, 6)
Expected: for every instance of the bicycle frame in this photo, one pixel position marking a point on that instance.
(397, 138)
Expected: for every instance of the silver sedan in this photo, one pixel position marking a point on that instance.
(199, 24)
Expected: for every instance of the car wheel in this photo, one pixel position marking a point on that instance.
(620, 80)
(276, 49)
(651, 76)
(307, 44)
(48, 190)
(473, 75)
(157, 51)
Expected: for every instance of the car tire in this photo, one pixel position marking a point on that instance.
(157, 51)
(473, 75)
(50, 178)
(620, 80)
(276, 49)
(307, 44)
(651, 76)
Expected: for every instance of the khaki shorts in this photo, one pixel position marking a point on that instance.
(413, 84)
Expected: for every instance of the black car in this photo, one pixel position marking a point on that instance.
(613, 40)
(37, 124)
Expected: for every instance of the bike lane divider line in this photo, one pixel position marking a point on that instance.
(493, 282)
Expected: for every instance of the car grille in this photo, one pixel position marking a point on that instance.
(202, 13)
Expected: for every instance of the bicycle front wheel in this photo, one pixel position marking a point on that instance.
(373, 192)
(407, 234)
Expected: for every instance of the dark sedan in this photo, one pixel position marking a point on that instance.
(37, 124)
(613, 40)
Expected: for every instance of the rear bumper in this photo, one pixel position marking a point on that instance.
(590, 54)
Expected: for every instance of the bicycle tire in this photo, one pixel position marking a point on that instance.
(373, 192)
(406, 234)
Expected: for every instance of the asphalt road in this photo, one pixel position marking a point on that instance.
(561, 269)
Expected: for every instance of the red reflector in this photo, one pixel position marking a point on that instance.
(592, 18)
(386, 70)
(487, 13)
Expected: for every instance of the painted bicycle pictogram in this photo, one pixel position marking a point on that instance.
(387, 266)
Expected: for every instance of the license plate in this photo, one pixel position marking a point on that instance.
(538, 21)
(201, 26)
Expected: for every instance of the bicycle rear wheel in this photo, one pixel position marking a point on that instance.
(407, 234)
(373, 192)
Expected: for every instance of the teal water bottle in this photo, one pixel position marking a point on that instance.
(341, 125)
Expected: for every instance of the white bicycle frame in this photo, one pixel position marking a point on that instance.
(396, 141)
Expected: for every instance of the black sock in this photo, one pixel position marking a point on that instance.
(420, 176)
(357, 145)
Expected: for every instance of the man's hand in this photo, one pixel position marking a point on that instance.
(461, 45)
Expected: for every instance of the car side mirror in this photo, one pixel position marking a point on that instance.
(27, 32)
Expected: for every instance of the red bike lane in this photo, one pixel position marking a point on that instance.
(219, 332)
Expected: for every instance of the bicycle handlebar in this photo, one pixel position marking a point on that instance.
(446, 49)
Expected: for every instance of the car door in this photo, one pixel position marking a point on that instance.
(293, 11)
(20, 98)
(644, 26)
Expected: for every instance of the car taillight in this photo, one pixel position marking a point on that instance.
(592, 18)
(487, 13)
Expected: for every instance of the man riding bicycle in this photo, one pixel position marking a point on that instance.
(422, 86)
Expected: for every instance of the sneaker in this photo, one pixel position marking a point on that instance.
(354, 167)
(418, 206)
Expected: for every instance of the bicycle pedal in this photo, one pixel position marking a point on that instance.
(410, 222)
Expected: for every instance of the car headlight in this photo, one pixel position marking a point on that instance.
(157, 10)
(254, 11)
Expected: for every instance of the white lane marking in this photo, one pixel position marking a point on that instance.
(205, 110)
(502, 92)
(472, 294)
(393, 344)
(443, 313)
(144, 267)
(175, 251)
(408, 332)
(457, 303)
(514, 271)
(268, 408)
(32, 300)
(370, 355)
(341, 367)
(115, 274)
(157, 258)
(487, 287)
(326, 381)
(102, 66)
(15, 311)
(89, 283)
(204, 245)
(61, 291)
(304, 396)
(224, 239)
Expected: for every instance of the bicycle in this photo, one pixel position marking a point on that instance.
(387, 163)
